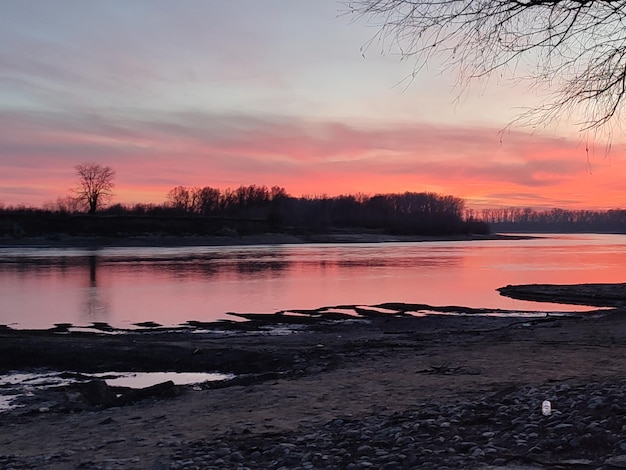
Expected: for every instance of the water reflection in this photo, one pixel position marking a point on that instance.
(95, 306)
(123, 286)
(193, 264)
(93, 264)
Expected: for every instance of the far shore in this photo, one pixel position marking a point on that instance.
(67, 241)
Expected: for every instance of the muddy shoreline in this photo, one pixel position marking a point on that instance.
(342, 371)
(66, 241)
(264, 343)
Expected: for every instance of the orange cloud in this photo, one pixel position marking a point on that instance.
(153, 154)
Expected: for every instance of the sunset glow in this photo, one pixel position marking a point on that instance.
(199, 94)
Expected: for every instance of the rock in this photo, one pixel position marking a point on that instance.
(162, 390)
(364, 450)
(563, 426)
(97, 393)
(617, 462)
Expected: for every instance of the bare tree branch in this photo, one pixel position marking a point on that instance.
(576, 47)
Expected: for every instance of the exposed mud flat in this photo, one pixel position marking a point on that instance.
(596, 295)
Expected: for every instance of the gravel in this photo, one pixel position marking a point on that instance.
(585, 429)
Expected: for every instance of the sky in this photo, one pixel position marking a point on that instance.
(225, 93)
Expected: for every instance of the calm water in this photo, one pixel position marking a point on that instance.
(122, 286)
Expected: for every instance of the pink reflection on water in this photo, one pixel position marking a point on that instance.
(172, 286)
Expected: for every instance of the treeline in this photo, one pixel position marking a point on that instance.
(553, 220)
(406, 213)
(256, 209)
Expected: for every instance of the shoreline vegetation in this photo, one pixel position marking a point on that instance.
(253, 210)
(250, 210)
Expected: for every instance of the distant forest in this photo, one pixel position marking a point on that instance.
(552, 220)
(257, 209)
(249, 210)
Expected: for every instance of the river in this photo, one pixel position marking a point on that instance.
(40, 287)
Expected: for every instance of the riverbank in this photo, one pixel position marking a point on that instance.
(65, 241)
(382, 392)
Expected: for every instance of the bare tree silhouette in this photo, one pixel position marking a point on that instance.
(577, 48)
(95, 185)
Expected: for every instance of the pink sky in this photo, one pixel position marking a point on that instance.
(199, 94)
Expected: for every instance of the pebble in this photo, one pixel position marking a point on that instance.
(498, 431)
(495, 431)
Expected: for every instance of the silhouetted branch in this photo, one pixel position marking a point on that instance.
(576, 48)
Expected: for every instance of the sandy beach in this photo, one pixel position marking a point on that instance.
(326, 377)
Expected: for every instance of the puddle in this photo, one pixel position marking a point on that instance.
(375, 309)
(6, 402)
(19, 384)
(146, 379)
(500, 314)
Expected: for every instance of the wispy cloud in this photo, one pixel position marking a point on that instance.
(197, 93)
(305, 156)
